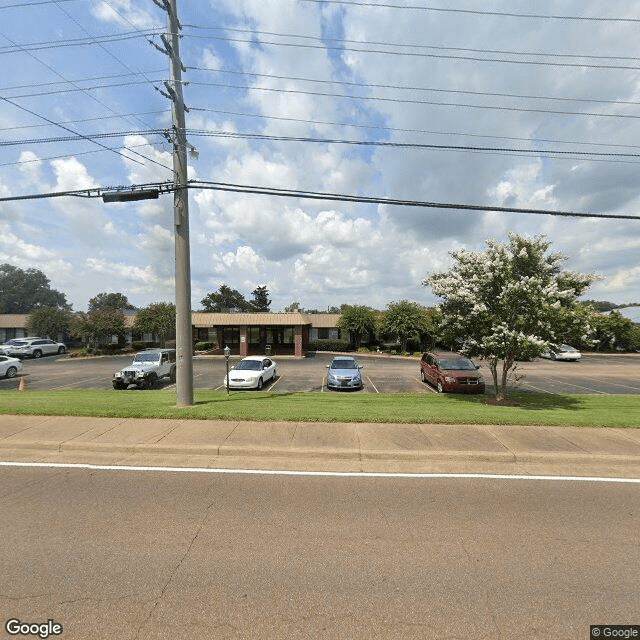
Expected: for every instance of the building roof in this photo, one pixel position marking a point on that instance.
(203, 320)
(13, 320)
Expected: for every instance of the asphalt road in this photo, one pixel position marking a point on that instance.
(133, 555)
(594, 374)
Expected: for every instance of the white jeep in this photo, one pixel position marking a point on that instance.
(147, 368)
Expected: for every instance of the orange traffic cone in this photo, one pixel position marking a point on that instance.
(22, 385)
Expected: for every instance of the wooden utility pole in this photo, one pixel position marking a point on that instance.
(184, 337)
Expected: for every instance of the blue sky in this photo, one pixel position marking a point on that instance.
(546, 77)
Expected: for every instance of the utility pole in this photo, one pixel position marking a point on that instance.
(184, 336)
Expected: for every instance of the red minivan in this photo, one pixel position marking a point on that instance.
(451, 373)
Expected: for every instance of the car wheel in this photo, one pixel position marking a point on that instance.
(260, 384)
(12, 372)
(151, 382)
(61, 350)
(439, 387)
(118, 386)
(37, 353)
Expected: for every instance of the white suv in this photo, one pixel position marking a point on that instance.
(32, 347)
(147, 368)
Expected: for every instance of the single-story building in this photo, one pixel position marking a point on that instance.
(243, 333)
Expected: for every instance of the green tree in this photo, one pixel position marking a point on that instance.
(404, 320)
(97, 327)
(358, 320)
(613, 331)
(158, 319)
(49, 323)
(260, 301)
(508, 302)
(113, 301)
(21, 291)
(226, 300)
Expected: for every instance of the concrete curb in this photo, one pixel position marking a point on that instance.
(340, 454)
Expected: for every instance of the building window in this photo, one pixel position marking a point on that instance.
(230, 335)
(254, 335)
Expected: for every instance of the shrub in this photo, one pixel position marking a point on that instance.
(329, 345)
(205, 346)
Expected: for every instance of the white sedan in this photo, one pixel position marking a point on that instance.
(10, 367)
(562, 352)
(251, 373)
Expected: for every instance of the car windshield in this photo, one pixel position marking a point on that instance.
(147, 357)
(249, 365)
(457, 364)
(344, 364)
(565, 347)
(15, 342)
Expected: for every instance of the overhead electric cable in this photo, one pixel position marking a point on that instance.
(477, 12)
(378, 127)
(253, 34)
(436, 103)
(440, 56)
(166, 187)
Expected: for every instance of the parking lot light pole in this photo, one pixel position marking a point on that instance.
(227, 353)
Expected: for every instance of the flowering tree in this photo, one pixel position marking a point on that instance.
(509, 302)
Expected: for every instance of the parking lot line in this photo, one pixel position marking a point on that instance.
(373, 385)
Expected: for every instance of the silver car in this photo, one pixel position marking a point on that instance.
(344, 372)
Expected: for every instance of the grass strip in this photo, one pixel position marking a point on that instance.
(532, 409)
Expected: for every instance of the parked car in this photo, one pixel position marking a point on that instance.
(344, 372)
(251, 373)
(146, 369)
(6, 347)
(451, 373)
(9, 367)
(562, 352)
(34, 347)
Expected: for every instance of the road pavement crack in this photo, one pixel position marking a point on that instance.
(143, 624)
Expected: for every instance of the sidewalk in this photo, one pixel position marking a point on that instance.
(357, 447)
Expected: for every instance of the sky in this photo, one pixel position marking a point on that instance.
(504, 103)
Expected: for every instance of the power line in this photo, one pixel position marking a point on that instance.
(538, 16)
(436, 103)
(167, 187)
(396, 87)
(408, 130)
(289, 193)
(441, 56)
(404, 45)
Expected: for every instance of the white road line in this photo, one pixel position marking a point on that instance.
(426, 386)
(373, 385)
(329, 474)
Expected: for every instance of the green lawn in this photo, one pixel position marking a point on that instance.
(534, 409)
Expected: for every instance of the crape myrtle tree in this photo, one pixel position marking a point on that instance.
(158, 319)
(48, 322)
(97, 327)
(509, 302)
(358, 320)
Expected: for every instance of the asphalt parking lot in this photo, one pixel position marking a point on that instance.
(605, 374)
